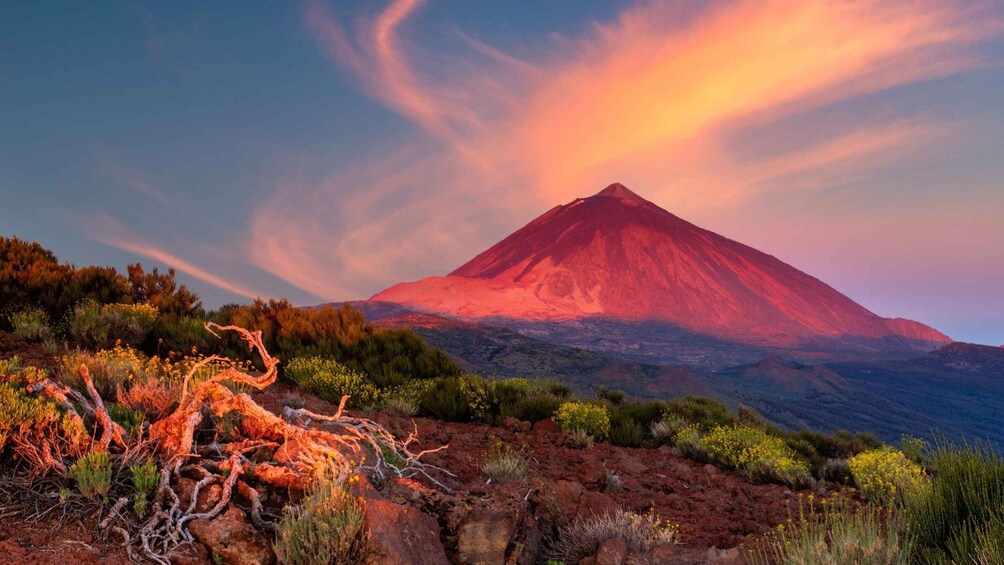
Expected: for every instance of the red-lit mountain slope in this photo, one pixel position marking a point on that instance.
(616, 255)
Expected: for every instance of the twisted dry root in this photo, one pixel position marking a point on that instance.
(295, 451)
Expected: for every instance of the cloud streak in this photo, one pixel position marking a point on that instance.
(108, 231)
(656, 98)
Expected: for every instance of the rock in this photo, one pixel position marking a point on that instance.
(715, 556)
(546, 426)
(612, 552)
(209, 495)
(190, 554)
(235, 541)
(515, 425)
(401, 535)
(573, 500)
(592, 472)
(484, 536)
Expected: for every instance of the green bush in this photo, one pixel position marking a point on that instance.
(31, 324)
(330, 380)
(328, 526)
(131, 420)
(960, 517)
(102, 326)
(144, 479)
(843, 534)
(884, 476)
(664, 431)
(755, 454)
(590, 419)
(93, 474)
(625, 431)
(445, 399)
(700, 411)
(537, 405)
(23, 416)
(688, 441)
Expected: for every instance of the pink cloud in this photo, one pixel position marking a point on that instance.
(654, 98)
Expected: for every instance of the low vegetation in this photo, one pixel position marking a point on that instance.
(583, 418)
(93, 474)
(885, 476)
(331, 380)
(502, 463)
(756, 454)
(328, 526)
(840, 533)
(582, 537)
(960, 517)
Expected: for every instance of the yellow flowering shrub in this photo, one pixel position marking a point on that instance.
(590, 419)
(884, 475)
(330, 380)
(756, 454)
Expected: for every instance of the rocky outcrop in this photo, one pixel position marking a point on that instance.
(232, 539)
(401, 535)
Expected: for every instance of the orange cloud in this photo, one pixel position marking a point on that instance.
(656, 99)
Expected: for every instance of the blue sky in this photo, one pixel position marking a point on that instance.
(323, 151)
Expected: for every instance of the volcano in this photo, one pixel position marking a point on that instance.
(617, 256)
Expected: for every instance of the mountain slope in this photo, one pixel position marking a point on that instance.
(617, 256)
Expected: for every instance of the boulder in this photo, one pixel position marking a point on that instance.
(484, 536)
(230, 537)
(546, 426)
(612, 552)
(401, 535)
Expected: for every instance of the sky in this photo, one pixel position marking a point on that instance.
(323, 151)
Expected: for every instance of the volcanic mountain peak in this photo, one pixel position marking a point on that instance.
(618, 190)
(616, 255)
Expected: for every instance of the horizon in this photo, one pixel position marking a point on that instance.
(323, 152)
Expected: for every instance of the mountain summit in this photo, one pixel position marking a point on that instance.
(616, 255)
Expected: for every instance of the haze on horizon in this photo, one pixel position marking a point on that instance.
(326, 150)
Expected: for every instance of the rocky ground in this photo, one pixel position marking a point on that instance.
(476, 522)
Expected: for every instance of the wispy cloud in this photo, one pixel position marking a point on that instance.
(128, 177)
(102, 228)
(656, 98)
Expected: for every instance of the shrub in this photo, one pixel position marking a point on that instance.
(590, 419)
(700, 411)
(755, 454)
(131, 420)
(151, 396)
(578, 439)
(503, 464)
(330, 380)
(960, 517)
(444, 399)
(664, 431)
(583, 537)
(914, 448)
(31, 324)
(327, 527)
(626, 432)
(23, 417)
(93, 474)
(144, 480)
(688, 441)
(885, 475)
(537, 405)
(109, 369)
(102, 326)
(840, 535)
